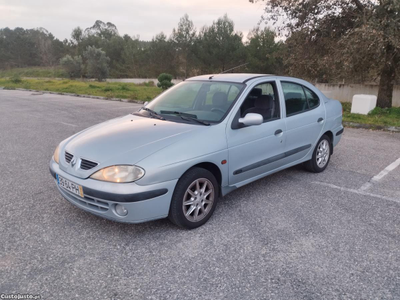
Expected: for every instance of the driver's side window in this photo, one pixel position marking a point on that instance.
(263, 100)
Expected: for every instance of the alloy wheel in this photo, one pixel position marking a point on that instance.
(198, 200)
(323, 152)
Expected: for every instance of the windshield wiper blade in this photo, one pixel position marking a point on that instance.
(174, 112)
(185, 116)
(194, 119)
(153, 113)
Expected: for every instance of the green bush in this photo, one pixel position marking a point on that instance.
(97, 63)
(72, 65)
(124, 87)
(165, 81)
(16, 79)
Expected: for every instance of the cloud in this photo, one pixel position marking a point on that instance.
(132, 17)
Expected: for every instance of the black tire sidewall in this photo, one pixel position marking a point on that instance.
(176, 214)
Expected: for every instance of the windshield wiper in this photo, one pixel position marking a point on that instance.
(174, 112)
(185, 116)
(153, 113)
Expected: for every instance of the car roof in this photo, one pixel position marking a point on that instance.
(231, 77)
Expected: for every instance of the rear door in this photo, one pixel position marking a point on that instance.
(304, 119)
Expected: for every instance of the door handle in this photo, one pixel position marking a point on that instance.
(278, 132)
(320, 120)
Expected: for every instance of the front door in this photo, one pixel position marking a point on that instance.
(256, 150)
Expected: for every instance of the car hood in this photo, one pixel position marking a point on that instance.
(125, 140)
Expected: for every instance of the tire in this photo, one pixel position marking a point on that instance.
(324, 148)
(200, 203)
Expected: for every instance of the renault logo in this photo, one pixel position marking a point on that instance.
(73, 162)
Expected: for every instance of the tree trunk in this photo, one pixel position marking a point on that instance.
(386, 82)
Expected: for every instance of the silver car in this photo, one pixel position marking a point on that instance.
(196, 142)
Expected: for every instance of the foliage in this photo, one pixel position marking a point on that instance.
(16, 79)
(185, 53)
(219, 47)
(165, 81)
(104, 89)
(97, 63)
(183, 39)
(355, 41)
(331, 38)
(29, 47)
(72, 65)
(264, 54)
(46, 72)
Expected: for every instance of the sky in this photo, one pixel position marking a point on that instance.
(132, 17)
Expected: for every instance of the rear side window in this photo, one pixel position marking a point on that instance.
(298, 98)
(312, 98)
(295, 99)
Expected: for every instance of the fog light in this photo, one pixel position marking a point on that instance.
(121, 210)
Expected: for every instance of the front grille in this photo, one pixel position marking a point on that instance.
(91, 203)
(87, 164)
(68, 157)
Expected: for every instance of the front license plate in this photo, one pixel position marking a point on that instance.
(69, 186)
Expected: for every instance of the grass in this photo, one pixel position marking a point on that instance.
(143, 92)
(378, 116)
(39, 72)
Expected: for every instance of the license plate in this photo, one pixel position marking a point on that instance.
(69, 186)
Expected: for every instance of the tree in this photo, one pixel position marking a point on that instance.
(183, 39)
(370, 26)
(165, 81)
(219, 47)
(264, 53)
(102, 30)
(160, 56)
(72, 65)
(97, 63)
(76, 35)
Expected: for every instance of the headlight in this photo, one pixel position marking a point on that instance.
(56, 154)
(119, 174)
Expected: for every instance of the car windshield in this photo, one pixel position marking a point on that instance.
(200, 100)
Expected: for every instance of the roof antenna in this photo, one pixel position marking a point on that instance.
(211, 77)
(233, 68)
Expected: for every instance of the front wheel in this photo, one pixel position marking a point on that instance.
(321, 155)
(194, 199)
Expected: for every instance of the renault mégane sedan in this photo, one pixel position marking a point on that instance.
(194, 143)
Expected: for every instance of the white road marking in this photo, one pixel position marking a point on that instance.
(387, 170)
(359, 192)
(382, 174)
(365, 186)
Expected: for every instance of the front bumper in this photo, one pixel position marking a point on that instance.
(144, 203)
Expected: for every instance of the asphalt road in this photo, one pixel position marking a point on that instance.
(292, 235)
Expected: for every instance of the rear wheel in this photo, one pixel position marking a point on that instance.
(194, 199)
(321, 155)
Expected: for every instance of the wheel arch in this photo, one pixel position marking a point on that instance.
(213, 168)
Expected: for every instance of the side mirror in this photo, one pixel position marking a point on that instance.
(251, 119)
